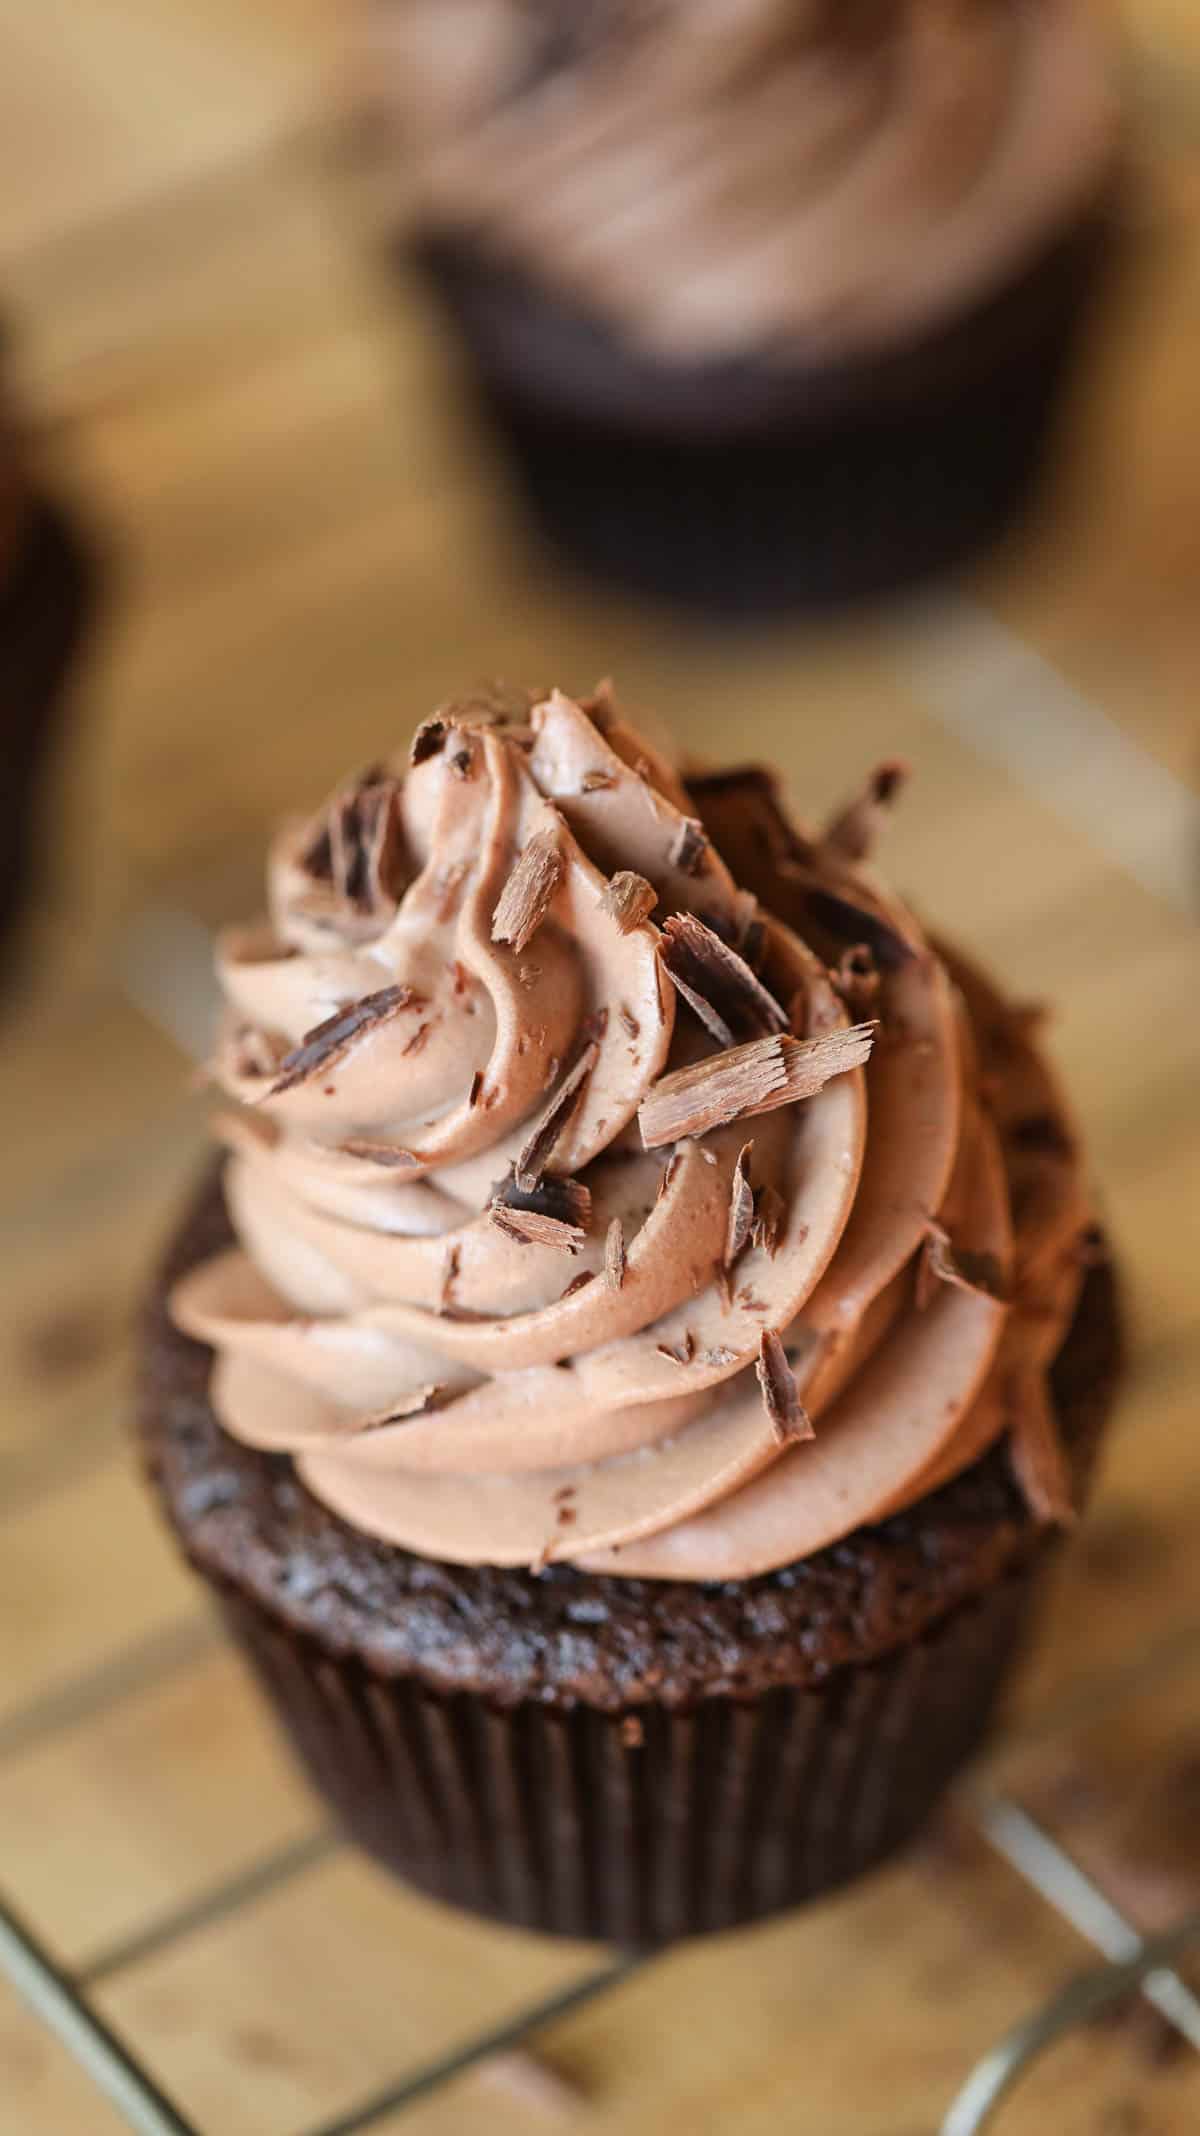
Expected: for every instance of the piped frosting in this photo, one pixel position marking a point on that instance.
(675, 1230)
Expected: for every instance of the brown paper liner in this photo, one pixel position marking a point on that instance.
(644, 1827)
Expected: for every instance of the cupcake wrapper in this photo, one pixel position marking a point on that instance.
(754, 494)
(653, 1825)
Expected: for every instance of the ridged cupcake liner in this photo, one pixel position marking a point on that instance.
(46, 599)
(644, 1827)
(746, 489)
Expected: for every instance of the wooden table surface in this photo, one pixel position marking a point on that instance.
(308, 552)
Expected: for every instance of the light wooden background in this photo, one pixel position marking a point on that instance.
(308, 553)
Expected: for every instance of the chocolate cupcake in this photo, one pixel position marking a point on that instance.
(773, 302)
(46, 595)
(648, 1332)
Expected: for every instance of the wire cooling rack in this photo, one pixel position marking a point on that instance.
(1132, 1963)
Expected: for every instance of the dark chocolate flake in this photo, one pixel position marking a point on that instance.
(629, 899)
(529, 892)
(578, 1283)
(851, 833)
(429, 740)
(770, 1215)
(717, 983)
(389, 1155)
(681, 1353)
(847, 925)
(614, 1255)
(689, 846)
(741, 1206)
(941, 1262)
(540, 1147)
(790, 1421)
(747, 1080)
(330, 1041)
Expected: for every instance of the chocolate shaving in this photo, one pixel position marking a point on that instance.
(633, 1734)
(689, 846)
(418, 1039)
(629, 1022)
(750, 932)
(565, 1516)
(567, 1201)
(748, 1080)
(578, 1283)
(749, 791)
(531, 1228)
(855, 979)
(450, 1267)
(668, 1173)
(330, 1041)
(614, 1255)
(741, 1206)
(476, 1090)
(717, 983)
(770, 1212)
(529, 974)
(413, 1404)
(722, 1284)
(851, 833)
(790, 1421)
(429, 740)
(680, 1353)
(629, 899)
(1038, 1460)
(940, 1262)
(847, 925)
(596, 782)
(529, 892)
(388, 1154)
(538, 1150)
(358, 847)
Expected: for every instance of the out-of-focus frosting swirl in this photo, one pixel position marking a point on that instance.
(488, 1321)
(718, 175)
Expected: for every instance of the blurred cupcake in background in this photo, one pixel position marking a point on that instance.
(46, 589)
(771, 299)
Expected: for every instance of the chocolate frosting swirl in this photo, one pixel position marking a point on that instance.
(568, 1231)
(713, 176)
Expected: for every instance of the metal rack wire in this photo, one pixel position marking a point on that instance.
(63, 2000)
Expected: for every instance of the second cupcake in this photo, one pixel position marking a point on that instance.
(772, 300)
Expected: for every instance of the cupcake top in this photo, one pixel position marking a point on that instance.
(619, 1173)
(720, 176)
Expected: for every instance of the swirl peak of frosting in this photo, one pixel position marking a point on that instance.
(618, 1173)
